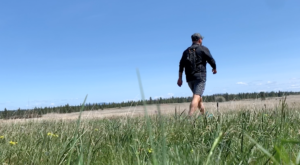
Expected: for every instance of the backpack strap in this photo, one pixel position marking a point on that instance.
(194, 47)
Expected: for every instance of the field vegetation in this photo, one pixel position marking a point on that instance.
(248, 136)
(38, 112)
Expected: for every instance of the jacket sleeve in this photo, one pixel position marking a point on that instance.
(181, 63)
(209, 58)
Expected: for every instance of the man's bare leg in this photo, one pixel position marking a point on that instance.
(201, 106)
(194, 104)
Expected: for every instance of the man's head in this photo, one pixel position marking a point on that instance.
(197, 38)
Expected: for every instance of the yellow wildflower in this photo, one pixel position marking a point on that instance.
(1, 137)
(13, 143)
(150, 150)
(52, 134)
(96, 129)
(192, 151)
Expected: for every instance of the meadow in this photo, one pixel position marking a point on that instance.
(251, 135)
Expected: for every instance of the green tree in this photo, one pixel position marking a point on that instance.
(5, 114)
(19, 113)
(262, 95)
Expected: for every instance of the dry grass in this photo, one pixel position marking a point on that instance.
(211, 107)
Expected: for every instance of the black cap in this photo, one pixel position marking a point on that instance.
(196, 37)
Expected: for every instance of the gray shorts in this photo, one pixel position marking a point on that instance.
(197, 86)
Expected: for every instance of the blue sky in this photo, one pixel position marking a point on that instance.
(56, 52)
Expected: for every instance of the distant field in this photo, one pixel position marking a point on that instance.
(241, 132)
(211, 107)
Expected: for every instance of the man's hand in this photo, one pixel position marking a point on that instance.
(179, 82)
(214, 71)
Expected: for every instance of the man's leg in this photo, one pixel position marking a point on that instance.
(194, 104)
(201, 106)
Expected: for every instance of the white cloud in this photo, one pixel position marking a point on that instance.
(52, 104)
(136, 98)
(295, 86)
(170, 94)
(241, 83)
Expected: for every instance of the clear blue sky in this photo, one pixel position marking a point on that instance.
(55, 52)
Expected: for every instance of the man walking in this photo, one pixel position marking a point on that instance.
(194, 61)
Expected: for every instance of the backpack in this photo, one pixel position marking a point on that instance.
(192, 60)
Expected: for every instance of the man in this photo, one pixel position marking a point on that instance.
(195, 70)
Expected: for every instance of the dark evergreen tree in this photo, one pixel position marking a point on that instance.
(262, 95)
(5, 114)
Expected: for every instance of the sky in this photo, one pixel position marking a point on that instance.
(56, 52)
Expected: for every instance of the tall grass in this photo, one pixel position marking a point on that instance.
(266, 136)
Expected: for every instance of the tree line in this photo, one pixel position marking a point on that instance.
(39, 111)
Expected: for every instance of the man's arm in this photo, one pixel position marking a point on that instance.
(179, 81)
(181, 63)
(210, 60)
(181, 68)
(180, 75)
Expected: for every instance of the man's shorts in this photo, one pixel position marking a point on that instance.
(197, 86)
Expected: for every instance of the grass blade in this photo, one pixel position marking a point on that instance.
(262, 149)
(298, 159)
(147, 119)
(216, 142)
(75, 136)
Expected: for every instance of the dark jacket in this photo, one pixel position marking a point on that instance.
(203, 56)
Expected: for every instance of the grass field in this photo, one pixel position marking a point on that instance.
(246, 135)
